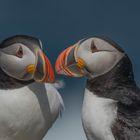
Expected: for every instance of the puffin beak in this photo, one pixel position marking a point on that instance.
(42, 71)
(68, 64)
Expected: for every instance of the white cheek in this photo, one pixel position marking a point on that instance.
(28, 58)
(101, 62)
(14, 66)
(83, 53)
(10, 66)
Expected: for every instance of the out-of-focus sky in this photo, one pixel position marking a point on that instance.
(60, 23)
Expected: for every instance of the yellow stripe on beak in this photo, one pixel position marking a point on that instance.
(31, 68)
(81, 63)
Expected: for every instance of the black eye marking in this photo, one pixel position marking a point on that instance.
(19, 52)
(93, 47)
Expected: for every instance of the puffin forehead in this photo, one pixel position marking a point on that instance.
(85, 44)
(103, 45)
(107, 44)
(12, 48)
(30, 42)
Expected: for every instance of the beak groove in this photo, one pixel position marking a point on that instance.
(61, 65)
(50, 77)
(68, 64)
(44, 70)
(61, 61)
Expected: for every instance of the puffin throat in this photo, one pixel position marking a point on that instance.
(115, 83)
(121, 74)
(7, 82)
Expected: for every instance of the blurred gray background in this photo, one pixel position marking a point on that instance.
(60, 23)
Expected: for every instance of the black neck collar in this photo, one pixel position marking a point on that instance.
(7, 82)
(121, 74)
(117, 84)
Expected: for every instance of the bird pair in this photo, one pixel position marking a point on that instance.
(28, 108)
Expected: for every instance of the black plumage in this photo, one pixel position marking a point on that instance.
(119, 84)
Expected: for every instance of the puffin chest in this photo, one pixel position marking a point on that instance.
(24, 112)
(98, 116)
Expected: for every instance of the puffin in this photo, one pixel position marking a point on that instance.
(29, 100)
(111, 104)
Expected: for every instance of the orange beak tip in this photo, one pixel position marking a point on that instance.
(66, 63)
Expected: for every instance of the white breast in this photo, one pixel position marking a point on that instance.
(98, 115)
(27, 113)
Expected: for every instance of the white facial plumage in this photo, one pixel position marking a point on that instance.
(98, 55)
(14, 65)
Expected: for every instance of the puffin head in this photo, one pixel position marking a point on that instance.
(22, 58)
(90, 57)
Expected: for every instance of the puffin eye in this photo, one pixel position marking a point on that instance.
(19, 52)
(93, 47)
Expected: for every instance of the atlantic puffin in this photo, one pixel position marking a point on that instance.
(29, 101)
(111, 106)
